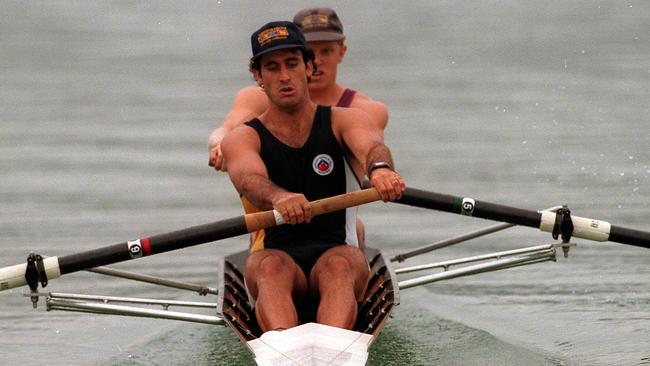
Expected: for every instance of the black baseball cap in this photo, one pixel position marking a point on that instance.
(275, 36)
(319, 24)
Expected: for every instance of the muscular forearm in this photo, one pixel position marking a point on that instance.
(377, 153)
(388, 183)
(265, 195)
(259, 190)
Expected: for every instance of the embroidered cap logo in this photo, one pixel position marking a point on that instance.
(315, 21)
(272, 34)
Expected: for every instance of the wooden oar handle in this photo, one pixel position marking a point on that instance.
(266, 219)
(340, 202)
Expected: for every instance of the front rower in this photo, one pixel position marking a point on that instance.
(289, 155)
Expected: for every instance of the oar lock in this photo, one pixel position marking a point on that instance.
(563, 227)
(34, 274)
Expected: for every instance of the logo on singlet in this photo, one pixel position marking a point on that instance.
(323, 164)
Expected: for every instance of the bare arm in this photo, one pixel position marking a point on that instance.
(249, 103)
(365, 140)
(248, 174)
(376, 110)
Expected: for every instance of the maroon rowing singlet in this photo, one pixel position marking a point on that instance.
(346, 98)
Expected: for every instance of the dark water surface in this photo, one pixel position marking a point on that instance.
(105, 109)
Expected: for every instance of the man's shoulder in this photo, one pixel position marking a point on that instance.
(342, 114)
(375, 109)
(361, 100)
(241, 138)
(252, 92)
(241, 132)
(253, 97)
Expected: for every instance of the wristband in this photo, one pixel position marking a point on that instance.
(378, 165)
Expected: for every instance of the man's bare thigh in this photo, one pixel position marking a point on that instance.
(354, 257)
(288, 271)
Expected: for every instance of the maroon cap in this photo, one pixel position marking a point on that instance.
(319, 24)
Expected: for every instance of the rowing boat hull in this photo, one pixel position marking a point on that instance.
(349, 346)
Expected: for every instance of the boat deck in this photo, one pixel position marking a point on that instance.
(237, 309)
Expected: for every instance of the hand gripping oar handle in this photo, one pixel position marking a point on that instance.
(265, 219)
(545, 220)
(14, 276)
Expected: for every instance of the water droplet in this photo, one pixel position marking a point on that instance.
(583, 52)
(630, 157)
(524, 142)
(621, 174)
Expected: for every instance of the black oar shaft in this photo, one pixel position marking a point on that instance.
(201, 234)
(629, 236)
(584, 228)
(53, 267)
(464, 206)
(153, 245)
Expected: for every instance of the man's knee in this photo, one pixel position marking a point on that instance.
(344, 261)
(273, 266)
(337, 264)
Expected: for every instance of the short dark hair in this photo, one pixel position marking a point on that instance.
(307, 55)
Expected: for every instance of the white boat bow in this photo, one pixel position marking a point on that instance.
(311, 344)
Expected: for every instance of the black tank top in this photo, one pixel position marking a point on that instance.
(317, 169)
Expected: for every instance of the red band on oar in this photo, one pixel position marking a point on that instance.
(146, 247)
